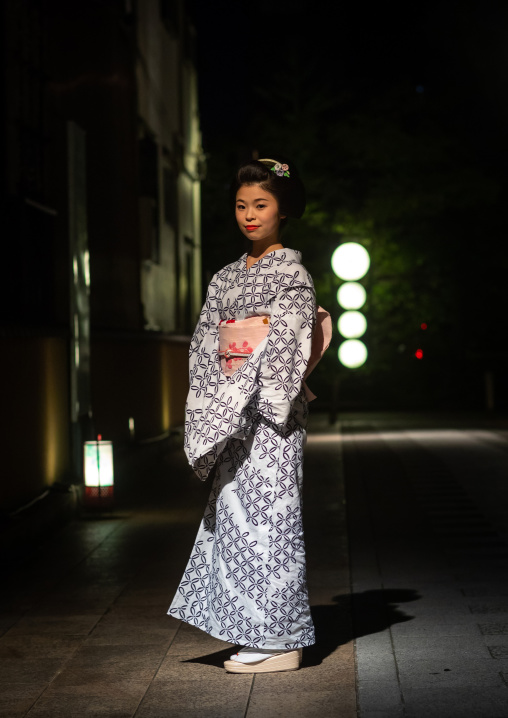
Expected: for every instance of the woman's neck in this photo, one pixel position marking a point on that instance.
(258, 250)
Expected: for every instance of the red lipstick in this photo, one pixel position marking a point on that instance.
(251, 227)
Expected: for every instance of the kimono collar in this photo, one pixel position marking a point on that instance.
(277, 257)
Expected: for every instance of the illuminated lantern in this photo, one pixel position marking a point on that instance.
(419, 354)
(350, 261)
(351, 295)
(352, 324)
(352, 353)
(98, 471)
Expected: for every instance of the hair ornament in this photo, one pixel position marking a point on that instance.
(281, 170)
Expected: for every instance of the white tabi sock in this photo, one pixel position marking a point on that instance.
(252, 655)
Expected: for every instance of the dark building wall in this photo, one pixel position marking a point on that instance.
(95, 87)
(138, 380)
(35, 409)
(72, 70)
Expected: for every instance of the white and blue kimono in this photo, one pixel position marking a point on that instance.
(245, 580)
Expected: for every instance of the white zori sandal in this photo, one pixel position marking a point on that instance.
(263, 660)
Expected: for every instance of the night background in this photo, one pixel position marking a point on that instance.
(396, 118)
(122, 124)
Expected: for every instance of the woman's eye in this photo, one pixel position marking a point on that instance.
(240, 206)
(261, 206)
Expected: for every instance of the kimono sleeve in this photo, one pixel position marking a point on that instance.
(287, 352)
(206, 322)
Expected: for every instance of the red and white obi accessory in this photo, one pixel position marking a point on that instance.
(238, 339)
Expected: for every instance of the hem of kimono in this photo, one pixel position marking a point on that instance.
(242, 642)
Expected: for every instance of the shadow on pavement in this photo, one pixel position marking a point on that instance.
(374, 611)
(355, 615)
(213, 659)
(350, 617)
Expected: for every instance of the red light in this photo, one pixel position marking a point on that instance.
(419, 354)
(423, 326)
(99, 437)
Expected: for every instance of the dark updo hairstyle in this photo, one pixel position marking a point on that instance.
(286, 186)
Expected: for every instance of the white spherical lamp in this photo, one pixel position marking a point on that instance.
(352, 324)
(352, 353)
(350, 261)
(351, 295)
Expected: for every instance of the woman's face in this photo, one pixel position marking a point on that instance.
(257, 214)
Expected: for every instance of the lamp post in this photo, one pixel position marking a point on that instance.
(99, 473)
(351, 262)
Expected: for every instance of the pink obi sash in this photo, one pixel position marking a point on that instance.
(239, 338)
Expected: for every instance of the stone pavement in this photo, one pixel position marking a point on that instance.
(428, 531)
(409, 596)
(83, 624)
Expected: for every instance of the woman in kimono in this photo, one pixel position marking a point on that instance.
(245, 423)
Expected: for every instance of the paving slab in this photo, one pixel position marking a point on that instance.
(35, 658)
(432, 673)
(379, 695)
(16, 699)
(430, 527)
(413, 648)
(433, 627)
(84, 628)
(54, 624)
(313, 705)
(459, 702)
(108, 664)
(113, 701)
(395, 712)
(185, 692)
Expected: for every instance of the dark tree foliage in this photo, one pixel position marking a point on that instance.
(391, 164)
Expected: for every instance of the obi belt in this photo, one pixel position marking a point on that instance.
(239, 338)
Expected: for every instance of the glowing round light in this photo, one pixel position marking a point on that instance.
(352, 324)
(350, 261)
(351, 295)
(352, 353)
(419, 354)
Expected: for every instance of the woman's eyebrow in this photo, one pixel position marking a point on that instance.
(259, 199)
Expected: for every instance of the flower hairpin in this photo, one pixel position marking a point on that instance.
(280, 170)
